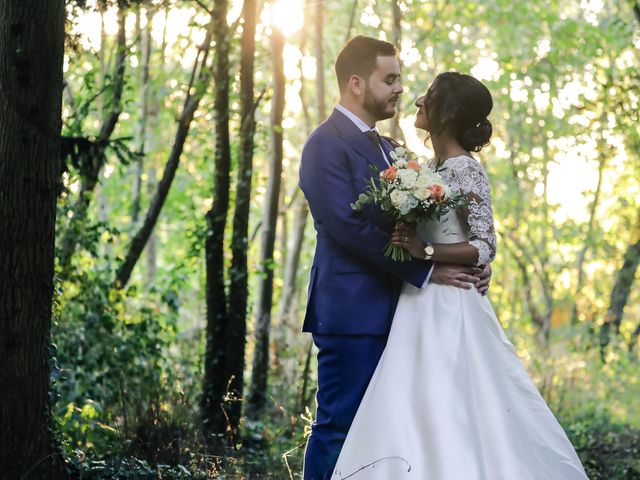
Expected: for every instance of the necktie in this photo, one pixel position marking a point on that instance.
(373, 136)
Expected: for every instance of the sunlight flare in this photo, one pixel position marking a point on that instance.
(286, 15)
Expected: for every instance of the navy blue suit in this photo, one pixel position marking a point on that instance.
(353, 288)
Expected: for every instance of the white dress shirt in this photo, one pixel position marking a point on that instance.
(365, 128)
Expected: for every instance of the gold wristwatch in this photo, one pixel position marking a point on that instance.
(428, 251)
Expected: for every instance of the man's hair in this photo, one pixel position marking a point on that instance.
(359, 56)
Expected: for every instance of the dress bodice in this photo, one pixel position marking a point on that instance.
(474, 223)
(449, 229)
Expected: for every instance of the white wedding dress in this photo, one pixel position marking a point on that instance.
(450, 399)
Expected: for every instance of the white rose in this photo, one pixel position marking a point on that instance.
(411, 203)
(400, 152)
(437, 178)
(407, 178)
(398, 198)
(422, 192)
(424, 180)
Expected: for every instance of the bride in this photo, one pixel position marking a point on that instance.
(449, 399)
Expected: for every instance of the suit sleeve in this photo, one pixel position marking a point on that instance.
(327, 181)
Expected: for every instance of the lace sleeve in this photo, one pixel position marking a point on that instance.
(472, 181)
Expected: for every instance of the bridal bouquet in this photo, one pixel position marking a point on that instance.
(410, 192)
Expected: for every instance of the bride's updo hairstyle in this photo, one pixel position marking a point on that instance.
(460, 104)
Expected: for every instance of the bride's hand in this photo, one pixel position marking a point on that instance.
(405, 236)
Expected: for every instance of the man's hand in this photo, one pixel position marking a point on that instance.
(462, 277)
(484, 277)
(454, 275)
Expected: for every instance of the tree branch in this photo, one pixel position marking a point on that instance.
(190, 105)
(352, 19)
(204, 7)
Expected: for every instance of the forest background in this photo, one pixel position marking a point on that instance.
(183, 244)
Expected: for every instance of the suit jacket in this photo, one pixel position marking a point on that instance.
(353, 287)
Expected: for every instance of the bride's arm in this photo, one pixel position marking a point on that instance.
(463, 253)
(473, 183)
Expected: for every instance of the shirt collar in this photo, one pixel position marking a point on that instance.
(354, 118)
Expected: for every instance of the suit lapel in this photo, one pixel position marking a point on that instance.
(358, 140)
(388, 148)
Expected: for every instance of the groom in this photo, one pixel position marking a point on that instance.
(354, 288)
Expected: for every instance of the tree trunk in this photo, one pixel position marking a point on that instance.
(144, 43)
(396, 132)
(620, 293)
(31, 54)
(153, 121)
(288, 331)
(258, 391)
(634, 339)
(319, 53)
(282, 237)
(540, 318)
(303, 49)
(583, 252)
(239, 277)
(151, 251)
(103, 204)
(352, 18)
(546, 283)
(91, 172)
(602, 161)
(214, 396)
(304, 387)
(191, 103)
(287, 305)
(101, 61)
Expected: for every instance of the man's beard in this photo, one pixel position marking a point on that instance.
(376, 108)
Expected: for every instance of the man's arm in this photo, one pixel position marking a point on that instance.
(326, 180)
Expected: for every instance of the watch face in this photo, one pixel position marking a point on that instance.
(429, 250)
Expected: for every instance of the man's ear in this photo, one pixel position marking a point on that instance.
(356, 85)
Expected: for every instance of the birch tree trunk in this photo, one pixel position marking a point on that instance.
(153, 127)
(144, 44)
